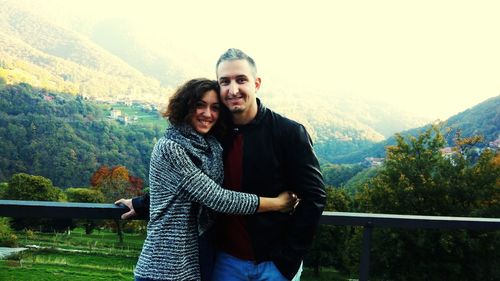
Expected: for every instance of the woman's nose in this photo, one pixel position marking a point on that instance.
(207, 112)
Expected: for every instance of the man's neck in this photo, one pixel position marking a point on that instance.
(243, 118)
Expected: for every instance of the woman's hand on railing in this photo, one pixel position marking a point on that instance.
(128, 203)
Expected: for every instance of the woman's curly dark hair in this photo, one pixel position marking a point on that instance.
(182, 104)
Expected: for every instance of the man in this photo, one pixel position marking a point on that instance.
(264, 154)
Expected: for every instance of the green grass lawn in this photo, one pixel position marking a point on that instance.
(97, 256)
(58, 265)
(99, 241)
(75, 256)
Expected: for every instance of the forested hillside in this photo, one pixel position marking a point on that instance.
(480, 120)
(66, 138)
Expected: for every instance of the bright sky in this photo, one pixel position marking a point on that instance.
(433, 58)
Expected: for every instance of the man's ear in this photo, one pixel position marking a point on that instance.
(258, 81)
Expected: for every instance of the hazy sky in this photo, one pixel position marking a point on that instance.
(433, 58)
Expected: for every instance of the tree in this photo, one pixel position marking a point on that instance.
(116, 183)
(86, 195)
(339, 174)
(329, 243)
(417, 179)
(83, 194)
(7, 237)
(28, 187)
(3, 189)
(136, 185)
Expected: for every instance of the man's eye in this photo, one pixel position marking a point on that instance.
(241, 80)
(223, 82)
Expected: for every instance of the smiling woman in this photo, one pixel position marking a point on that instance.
(195, 103)
(206, 113)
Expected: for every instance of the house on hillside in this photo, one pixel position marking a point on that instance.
(124, 119)
(374, 162)
(48, 98)
(495, 144)
(448, 152)
(115, 113)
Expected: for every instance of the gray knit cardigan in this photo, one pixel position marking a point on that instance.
(185, 174)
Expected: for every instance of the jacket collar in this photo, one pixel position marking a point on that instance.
(261, 110)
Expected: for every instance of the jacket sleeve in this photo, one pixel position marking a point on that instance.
(304, 176)
(141, 206)
(196, 186)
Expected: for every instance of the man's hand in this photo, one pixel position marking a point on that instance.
(127, 202)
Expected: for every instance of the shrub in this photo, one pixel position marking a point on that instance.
(7, 237)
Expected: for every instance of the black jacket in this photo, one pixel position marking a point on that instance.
(278, 156)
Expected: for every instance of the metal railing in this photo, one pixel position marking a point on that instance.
(44, 209)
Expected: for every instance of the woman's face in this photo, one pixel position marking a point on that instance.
(206, 112)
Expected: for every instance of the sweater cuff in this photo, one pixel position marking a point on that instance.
(258, 205)
(141, 206)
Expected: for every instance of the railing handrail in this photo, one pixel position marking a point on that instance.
(49, 209)
(409, 221)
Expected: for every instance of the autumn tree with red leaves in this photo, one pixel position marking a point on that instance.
(116, 182)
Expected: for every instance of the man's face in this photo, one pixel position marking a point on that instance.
(238, 86)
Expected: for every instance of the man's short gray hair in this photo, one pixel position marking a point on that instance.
(237, 54)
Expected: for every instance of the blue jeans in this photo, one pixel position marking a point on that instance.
(207, 255)
(231, 268)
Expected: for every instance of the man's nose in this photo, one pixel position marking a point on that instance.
(233, 88)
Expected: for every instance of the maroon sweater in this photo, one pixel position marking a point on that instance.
(232, 236)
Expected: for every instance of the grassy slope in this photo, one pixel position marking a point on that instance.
(79, 257)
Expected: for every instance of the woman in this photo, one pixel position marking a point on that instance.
(185, 176)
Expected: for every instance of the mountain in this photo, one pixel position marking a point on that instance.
(169, 64)
(65, 51)
(38, 52)
(120, 39)
(340, 125)
(482, 119)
